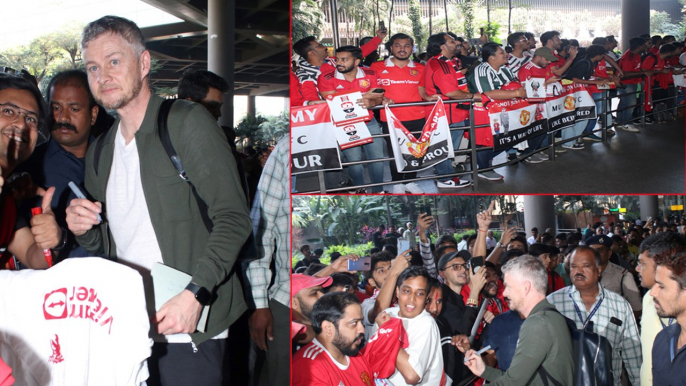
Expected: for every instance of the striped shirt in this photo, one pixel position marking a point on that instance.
(514, 63)
(485, 78)
(614, 320)
(270, 216)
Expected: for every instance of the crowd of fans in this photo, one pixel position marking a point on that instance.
(450, 69)
(418, 316)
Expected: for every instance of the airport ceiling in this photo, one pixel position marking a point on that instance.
(261, 44)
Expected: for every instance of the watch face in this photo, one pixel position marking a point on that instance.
(203, 296)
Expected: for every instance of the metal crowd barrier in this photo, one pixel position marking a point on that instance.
(471, 129)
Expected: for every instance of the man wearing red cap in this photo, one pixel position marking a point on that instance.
(305, 290)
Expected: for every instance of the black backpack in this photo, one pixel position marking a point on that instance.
(592, 357)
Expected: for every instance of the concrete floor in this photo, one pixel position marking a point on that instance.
(650, 162)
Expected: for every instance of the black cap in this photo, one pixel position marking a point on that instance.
(600, 239)
(443, 261)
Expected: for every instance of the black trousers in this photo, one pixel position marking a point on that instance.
(415, 125)
(174, 364)
(278, 362)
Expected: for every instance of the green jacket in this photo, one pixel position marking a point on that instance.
(544, 338)
(183, 239)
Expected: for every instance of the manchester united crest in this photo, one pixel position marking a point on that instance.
(364, 83)
(366, 379)
(569, 103)
(418, 150)
(414, 72)
(524, 117)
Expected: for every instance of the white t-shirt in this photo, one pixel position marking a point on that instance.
(81, 322)
(131, 226)
(426, 357)
(531, 240)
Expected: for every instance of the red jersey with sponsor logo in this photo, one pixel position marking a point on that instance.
(365, 80)
(654, 62)
(314, 366)
(630, 62)
(530, 70)
(402, 85)
(600, 71)
(441, 77)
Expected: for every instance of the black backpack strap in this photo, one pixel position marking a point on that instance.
(545, 376)
(163, 132)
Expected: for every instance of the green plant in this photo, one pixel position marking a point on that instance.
(415, 16)
(307, 17)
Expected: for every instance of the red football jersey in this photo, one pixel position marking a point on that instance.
(440, 77)
(600, 71)
(630, 62)
(365, 80)
(530, 70)
(402, 85)
(314, 366)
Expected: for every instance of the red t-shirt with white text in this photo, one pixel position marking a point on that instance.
(402, 85)
(314, 366)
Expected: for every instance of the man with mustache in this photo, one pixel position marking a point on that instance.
(331, 358)
(587, 301)
(661, 245)
(21, 120)
(62, 158)
(613, 277)
(669, 292)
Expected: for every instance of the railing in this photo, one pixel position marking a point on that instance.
(471, 129)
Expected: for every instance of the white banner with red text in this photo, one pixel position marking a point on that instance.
(313, 148)
(433, 146)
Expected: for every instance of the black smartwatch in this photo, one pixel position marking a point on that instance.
(202, 295)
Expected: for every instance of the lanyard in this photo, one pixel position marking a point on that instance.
(671, 349)
(593, 311)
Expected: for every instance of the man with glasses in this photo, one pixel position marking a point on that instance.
(516, 59)
(382, 276)
(21, 121)
(313, 55)
(456, 273)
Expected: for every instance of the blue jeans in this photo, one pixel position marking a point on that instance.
(599, 109)
(573, 131)
(373, 150)
(446, 167)
(627, 99)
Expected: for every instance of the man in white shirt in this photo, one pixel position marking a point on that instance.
(491, 242)
(534, 236)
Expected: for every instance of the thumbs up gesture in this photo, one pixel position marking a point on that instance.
(46, 232)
